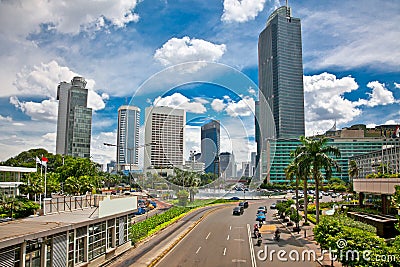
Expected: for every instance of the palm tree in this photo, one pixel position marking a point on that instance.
(353, 169)
(301, 173)
(292, 171)
(314, 154)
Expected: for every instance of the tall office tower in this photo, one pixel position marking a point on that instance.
(74, 124)
(210, 145)
(280, 72)
(128, 137)
(165, 130)
(227, 165)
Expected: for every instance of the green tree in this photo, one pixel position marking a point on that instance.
(186, 179)
(315, 154)
(33, 184)
(353, 169)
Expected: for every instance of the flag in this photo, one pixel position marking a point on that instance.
(397, 132)
(44, 161)
(38, 160)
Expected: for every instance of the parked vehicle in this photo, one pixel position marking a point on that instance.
(140, 211)
(273, 206)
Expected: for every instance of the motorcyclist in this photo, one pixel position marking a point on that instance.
(256, 232)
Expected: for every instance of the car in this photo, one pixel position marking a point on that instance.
(234, 198)
(153, 203)
(244, 204)
(237, 211)
(273, 206)
(140, 211)
(260, 217)
(262, 209)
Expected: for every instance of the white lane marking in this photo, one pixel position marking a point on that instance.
(227, 238)
(237, 239)
(198, 250)
(236, 260)
(208, 235)
(224, 252)
(252, 254)
(230, 227)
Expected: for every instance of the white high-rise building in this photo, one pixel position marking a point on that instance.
(128, 138)
(164, 130)
(74, 123)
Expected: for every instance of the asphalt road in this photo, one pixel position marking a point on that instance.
(222, 239)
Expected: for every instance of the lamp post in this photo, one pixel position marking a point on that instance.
(192, 153)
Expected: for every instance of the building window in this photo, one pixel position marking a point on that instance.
(111, 234)
(97, 240)
(80, 245)
(71, 242)
(32, 256)
(121, 230)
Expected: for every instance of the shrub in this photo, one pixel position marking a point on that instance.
(140, 230)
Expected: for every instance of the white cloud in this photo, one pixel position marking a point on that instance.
(241, 10)
(252, 91)
(42, 81)
(352, 43)
(46, 110)
(20, 137)
(176, 51)
(244, 107)
(178, 100)
(392, 122)
(397, 85)
(22, 18)
(218, 105)
(7, 118)
(192, 140)
(379, 96)
(324, 101)
(101, 153)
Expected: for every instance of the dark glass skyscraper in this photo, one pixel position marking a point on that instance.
(210, 145)
(74, 124)
(280, 72)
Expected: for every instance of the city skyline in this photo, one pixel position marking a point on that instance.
(350, 71)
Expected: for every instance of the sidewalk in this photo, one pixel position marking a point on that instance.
(306, 238)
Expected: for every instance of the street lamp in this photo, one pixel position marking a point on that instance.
(192, 155)
(130, 149)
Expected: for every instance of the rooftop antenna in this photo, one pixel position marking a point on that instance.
(287, 3)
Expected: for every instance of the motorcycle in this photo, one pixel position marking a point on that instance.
(256, 233)
(259, 241)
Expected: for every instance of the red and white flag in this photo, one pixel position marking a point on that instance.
(44, 161)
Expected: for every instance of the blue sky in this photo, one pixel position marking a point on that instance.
(350, 54)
